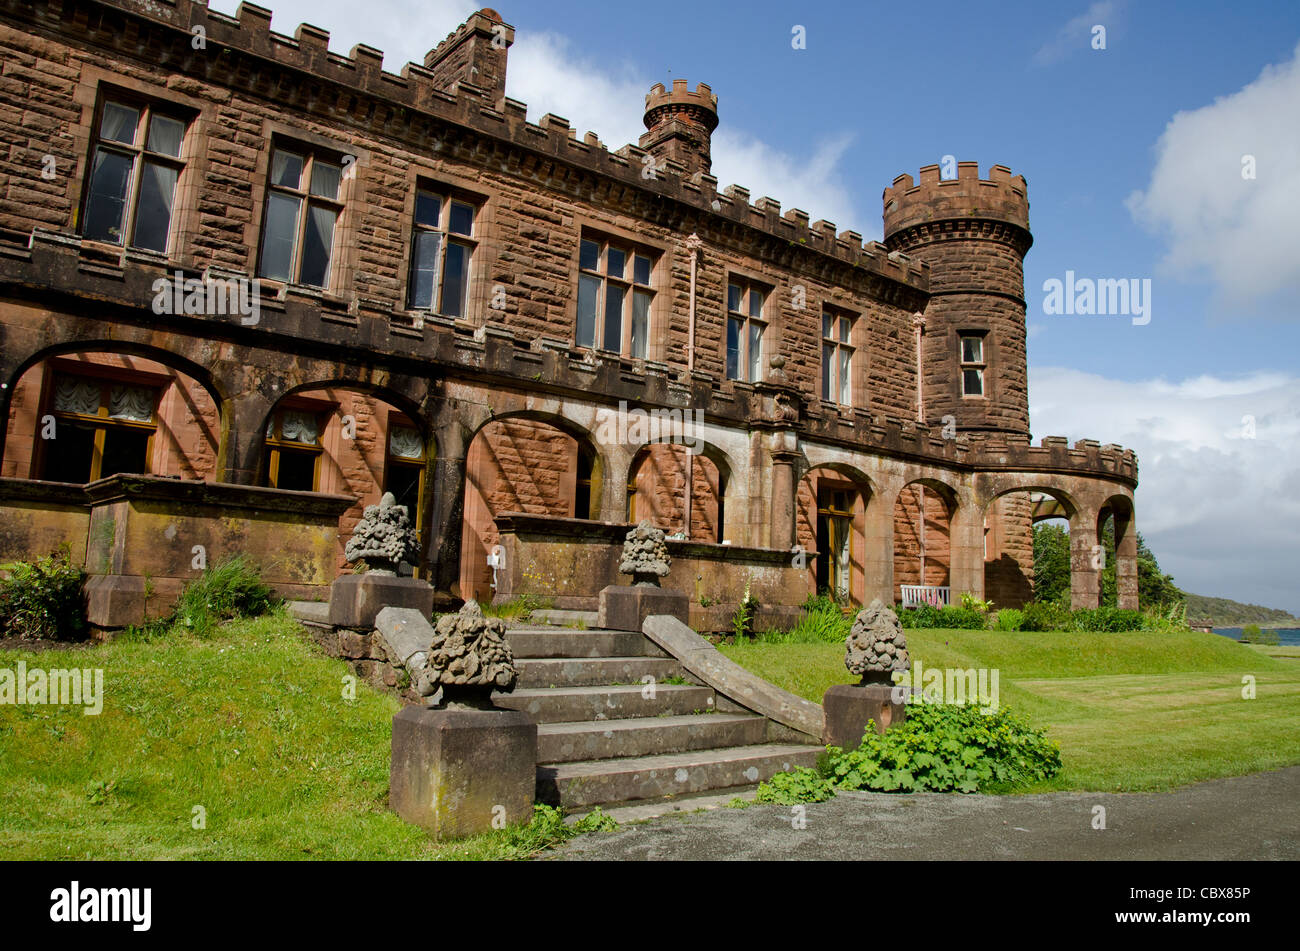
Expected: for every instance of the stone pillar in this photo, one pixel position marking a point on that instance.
(1085, 561)
(447, 513)
(966, 541)
(878, 557)
(1126, 578)
(784, 495)
(243, 435)
(616, 463)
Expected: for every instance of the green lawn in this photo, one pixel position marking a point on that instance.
(250, 724)
(1135, 711)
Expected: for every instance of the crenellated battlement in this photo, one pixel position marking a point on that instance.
(696, 105)
(1001, 197)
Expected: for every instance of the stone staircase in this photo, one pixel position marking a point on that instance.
(606, 735)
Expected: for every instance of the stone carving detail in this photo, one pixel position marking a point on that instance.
(645, 555)
(383, 538)
(468, 659)
(876, 646)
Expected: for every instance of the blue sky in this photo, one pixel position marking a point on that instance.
(1133, 156)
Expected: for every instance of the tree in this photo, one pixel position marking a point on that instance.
(1052, 569)
(1051, 562)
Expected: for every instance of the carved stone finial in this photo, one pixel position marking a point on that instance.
(876, 646)
(645, 555)
(469, 658)
(383, 538)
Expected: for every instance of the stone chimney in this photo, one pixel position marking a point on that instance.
(474, 56)
(681, 125)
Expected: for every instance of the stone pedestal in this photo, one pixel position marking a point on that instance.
(848, 707)
(114, 601)
(355, 600)
(625, 607)
(454, 771)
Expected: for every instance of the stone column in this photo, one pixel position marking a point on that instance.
(966, 542)
(1126, 578)
(878, 558)
(1085, 560)
(616, 463)
(446, 514)
(243, 435)
(784, 495)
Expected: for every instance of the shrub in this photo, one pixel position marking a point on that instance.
(1008, 619)
(1045, 616)
(948, 616)
(972, 603)
(1251, 634)
(43, 599)
(939, 748)
(1109, 620)
(742, 622)
(226, 590)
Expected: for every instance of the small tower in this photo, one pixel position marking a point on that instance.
(974, 235)
(681, 125)
(474, 55)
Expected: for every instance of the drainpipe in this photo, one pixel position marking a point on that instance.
(918, 323)
(693, 244)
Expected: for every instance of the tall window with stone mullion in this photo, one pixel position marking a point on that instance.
(837, 357)
(302, 208)
(745, 327)
(442, 247)
(131, 190)
(614, 298)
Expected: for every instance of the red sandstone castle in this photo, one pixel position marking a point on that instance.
(448, 300)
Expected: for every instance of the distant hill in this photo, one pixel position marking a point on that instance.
(1222, 612)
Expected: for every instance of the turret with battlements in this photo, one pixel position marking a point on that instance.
(680, 124)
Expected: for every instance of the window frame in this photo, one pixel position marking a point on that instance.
(102, 421)
(447, 196)
(842, 349)
(147, 108)
(309, 153)
(749, 289)
(406, 462)
(979, 366)
(274, 446)
(630, 286)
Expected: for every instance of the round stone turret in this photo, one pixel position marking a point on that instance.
(681, 124)
(974, 234)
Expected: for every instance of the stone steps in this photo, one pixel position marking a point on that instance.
(540, 642)
(605, 702)
(594, 671)
(590, 782)
(642, 736)
(561, 618)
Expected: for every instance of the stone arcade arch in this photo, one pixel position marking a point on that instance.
(831, 507)
(923, 515)
(656, 490)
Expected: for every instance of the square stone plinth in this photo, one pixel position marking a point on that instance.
(114, 601)
(625, 607)
(355, 600)
(454, 771)
(848, 707)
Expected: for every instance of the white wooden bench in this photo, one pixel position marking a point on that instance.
(915, 595)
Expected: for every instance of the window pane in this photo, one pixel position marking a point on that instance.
(972, 350)
(589, 256)
(640, 323)
(755, 351)
(455, 282)
(153, 213)
(616, 261)
(125, 450)
(165, 136)
(325, 179)
(317, 242)
(755, 303)
(462, 218)
(973, 382)
(424, 267)
(297, 470)
(827, 320)
(428, 209)
(106, 202)
(844, 329)
(588, 293)
(277, 243)
(286, 169)
(641, 269)
(846, 360)
(828, 359)
(68, 454)
(119, 123)
(734, 329)
(613, 339)
(404, 483)
(733, 298)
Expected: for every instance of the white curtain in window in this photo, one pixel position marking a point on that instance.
(405, 443)
(72, 395)
(131, 402)
(299, 426)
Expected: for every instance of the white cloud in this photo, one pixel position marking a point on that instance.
(1076, 35)
(1218, 508)
(1238, 233)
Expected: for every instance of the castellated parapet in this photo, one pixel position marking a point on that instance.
(974, 234)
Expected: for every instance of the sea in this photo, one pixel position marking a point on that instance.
(1285, 635)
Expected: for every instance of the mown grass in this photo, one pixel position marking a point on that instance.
(249, 723)
(1132, 712)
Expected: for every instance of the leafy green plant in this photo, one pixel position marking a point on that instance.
(939, 748)
(742, 621)
(229, 589)
(1112, 620)
(547, 829)
(971, 603)
(1008, 619)
(1045, 616)
(948, 616)
(42, 599)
